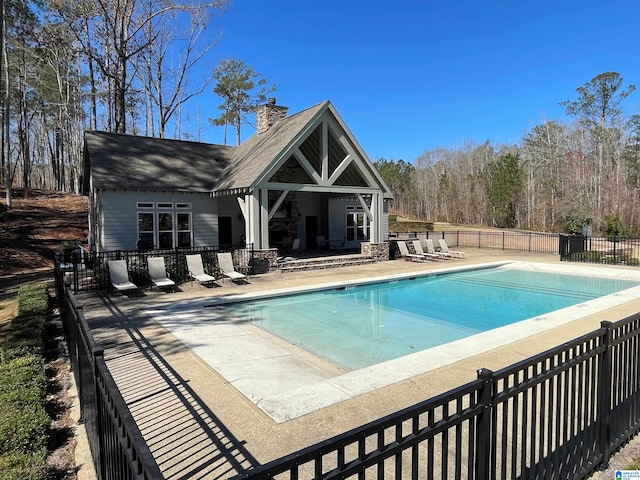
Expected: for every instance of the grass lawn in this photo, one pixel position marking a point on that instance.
(8, 311)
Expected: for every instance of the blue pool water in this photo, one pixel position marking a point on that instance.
(359, 326)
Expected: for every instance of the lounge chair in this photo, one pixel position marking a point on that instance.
(225, 264)
(404, 252)
(119, 276)
(196, 270)
(432, 250)
(445, 248)
(417, 246)
(158, 273)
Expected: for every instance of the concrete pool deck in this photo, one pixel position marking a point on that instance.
(199, 424)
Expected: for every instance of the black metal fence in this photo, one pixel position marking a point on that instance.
(88, 270)
(574, 248)
(607, 250)
(117, 446)
(507, 240)
(557, 415)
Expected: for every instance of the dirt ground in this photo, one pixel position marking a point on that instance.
(36, 225)
(30, 233)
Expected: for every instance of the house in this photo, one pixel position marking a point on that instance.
(303, 176)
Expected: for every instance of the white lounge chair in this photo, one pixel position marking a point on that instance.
(432, 250)
(196, 270)
(158, 273)
(417, 246)
(225, 264)
(445, 248)
(119, 276)
(404, 252)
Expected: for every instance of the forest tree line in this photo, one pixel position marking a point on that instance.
(129, 66)
(560, 177)
(125, 66)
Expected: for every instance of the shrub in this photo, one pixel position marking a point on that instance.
(25, 337)
(403, 227)
(24, 422)
(23, 466)
(33, 299)
(593, 256)
(22, 381)
(23, 429)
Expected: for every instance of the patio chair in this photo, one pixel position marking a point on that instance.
(196, 270)
(445, 248)
(404, 252)
(119, 276)
(321, 243)
(225, 264)
(417, 246)
(158, 273)
(432, 250)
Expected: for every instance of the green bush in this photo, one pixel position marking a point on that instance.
(23, 466)
(24, 422)
(25, 337)
(404, 227)
(22, 381)
(33, 299)
(23, 429)
(590, 256)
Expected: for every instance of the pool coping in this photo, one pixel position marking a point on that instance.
(285, 384)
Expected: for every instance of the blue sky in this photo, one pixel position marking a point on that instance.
(410, 76)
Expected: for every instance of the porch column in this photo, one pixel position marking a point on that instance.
(377, 210)
(252, 219)
(264, 218)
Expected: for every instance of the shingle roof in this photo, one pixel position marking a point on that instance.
(120, 161)
(260, 150)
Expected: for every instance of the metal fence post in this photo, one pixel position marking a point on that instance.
(483, 432)
(605, 387)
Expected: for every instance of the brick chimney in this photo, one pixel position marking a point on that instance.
(269, 114)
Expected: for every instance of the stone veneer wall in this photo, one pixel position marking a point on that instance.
(263, 260)
(379, 251)
(268, 114)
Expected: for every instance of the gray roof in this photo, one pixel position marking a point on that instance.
(119, 161)
(261, 149)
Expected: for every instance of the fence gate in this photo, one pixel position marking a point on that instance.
(570, 244)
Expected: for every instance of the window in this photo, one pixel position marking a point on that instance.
(184, 230)
(145, 230)
(165, 230)
(165, 227)
(357, 225)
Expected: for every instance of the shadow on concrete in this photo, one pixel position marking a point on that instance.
(185, 437)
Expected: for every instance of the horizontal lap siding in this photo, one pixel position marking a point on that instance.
(119, 220)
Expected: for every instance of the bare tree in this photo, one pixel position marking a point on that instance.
(163, 68)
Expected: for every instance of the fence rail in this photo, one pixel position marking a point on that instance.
(88, 270)
(557, 415)
(512, 240)
(117, 447)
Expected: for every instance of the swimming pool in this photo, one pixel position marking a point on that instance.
(362, 325)
(286, 382)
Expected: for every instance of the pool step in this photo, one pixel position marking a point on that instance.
(320, 263)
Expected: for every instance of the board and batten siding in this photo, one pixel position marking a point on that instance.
(119, 222)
